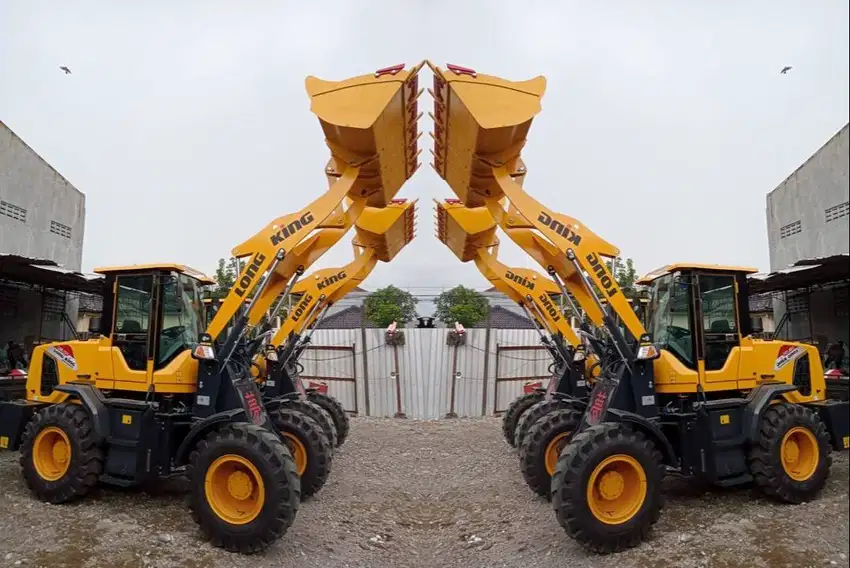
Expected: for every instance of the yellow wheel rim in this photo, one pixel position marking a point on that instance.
(51, 453)
(616, 490)
(553, 452)
(799, 453)
(299, 452)
(234, 489)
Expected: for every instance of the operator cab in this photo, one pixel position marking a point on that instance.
(152, 312)
(698, 312)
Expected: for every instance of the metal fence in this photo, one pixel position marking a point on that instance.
(425, 378)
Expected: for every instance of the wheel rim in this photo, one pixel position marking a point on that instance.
(616, 490)
(51, 453)
(799, 453)
(553, 452)
(299, 452)
(234, 489)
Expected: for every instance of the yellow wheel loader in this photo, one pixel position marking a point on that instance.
(693, 392)
(160, 394)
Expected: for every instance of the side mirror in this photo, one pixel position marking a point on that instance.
(94, 326)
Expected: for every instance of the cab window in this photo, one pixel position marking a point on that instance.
(181, 317)
(670, 316)
(719, 318)
(132, 319)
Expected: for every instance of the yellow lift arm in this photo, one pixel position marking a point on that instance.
(370, 126)
(480, 127)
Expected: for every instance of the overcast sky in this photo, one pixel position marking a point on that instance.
(187, 125)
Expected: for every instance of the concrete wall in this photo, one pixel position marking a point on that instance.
(41, 214)
(819, 186)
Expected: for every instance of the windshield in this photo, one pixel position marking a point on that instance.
(669, 316)
(182, 316)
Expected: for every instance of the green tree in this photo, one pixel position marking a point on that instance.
(626, 276)
(461, 304)
(388, 305)
(225, 277)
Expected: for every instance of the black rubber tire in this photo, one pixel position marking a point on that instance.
(535, 413)
(86, 463)
(277, 469)
(532, 453)
(337, 413)
(316, 445)
(515, 410)
(569, 487)
(317, 413)
(765, 457)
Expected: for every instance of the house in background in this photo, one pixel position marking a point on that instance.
(42, 225)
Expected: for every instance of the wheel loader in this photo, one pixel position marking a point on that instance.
(693, 392)
(160, 394)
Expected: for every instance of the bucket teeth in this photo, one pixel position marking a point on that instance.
(370, 122)
(480, 122)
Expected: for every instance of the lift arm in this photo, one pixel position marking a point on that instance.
(370, 126)
(481, 123)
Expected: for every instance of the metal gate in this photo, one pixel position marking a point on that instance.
(335, 366)
(515, 365)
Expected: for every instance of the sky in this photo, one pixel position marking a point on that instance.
(187, 124)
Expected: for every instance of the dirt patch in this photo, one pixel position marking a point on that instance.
(411, 494)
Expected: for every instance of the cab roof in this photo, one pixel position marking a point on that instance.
(680, 266)
(182, 268)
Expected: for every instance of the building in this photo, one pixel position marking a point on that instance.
(41, 214)
(42, 225)
(808, 225)
(808, 214)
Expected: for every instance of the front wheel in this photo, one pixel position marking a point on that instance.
(514, 412)
(309, 446)
(538, 456)
(245, 488)
(337, 413)
(606, 490)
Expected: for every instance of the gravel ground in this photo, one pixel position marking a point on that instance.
(424, 494)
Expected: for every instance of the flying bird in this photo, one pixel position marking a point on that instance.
(65, 69)
(785, 70)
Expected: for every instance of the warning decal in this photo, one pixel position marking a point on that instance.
(65, 354)
(787, 353)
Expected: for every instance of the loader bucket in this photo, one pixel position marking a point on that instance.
(465, 230)
(480, 122)
(370, 122)
(387, 230)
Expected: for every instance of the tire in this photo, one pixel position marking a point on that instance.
(337, 413)
(308, 445)
(317, 413)
(64, 428)
(793, 427)
(244, 447)
(541, 448)
(535, 413)
(515, 411)
(586, 459)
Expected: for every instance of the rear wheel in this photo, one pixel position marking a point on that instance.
(245, 488)
(337, 413)
(317, 413)
(59, 456)
(535, 413)
(790, 461)
(308, 445)
(542, 447)
(515, 411)
(606, 490)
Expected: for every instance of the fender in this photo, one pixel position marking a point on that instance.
(757, 401)
(94, 402)
(648, 428)
(202, 427)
